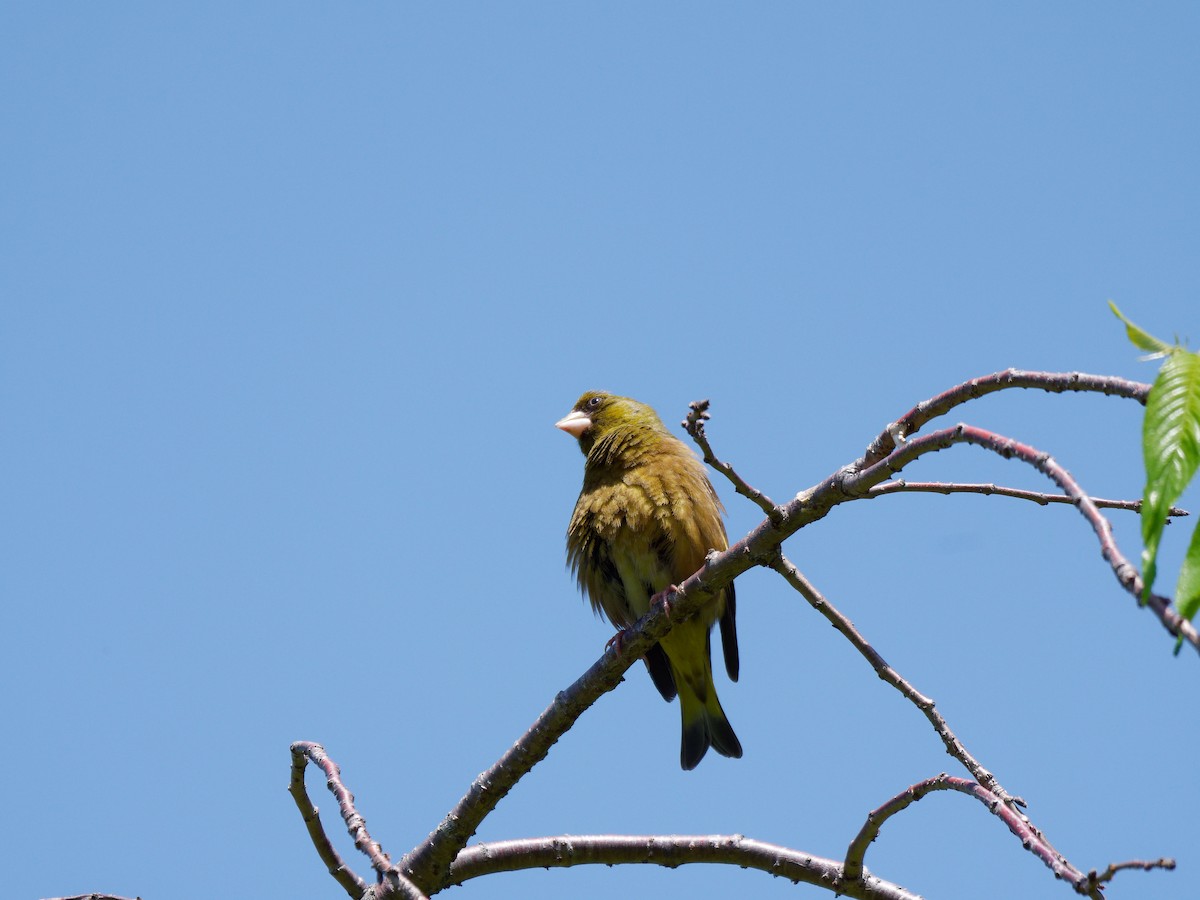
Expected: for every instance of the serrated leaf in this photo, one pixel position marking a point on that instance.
(1171, 447)
(1139, 338)
(1187, 591)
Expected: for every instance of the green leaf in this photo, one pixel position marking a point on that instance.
(1187, 591)
(1171, 446)
(1139, 338)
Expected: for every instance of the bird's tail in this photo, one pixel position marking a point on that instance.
(704, 726)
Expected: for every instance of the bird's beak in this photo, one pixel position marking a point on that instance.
(575, 423)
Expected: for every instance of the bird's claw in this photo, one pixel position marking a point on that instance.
(664, 597)
(617, 640)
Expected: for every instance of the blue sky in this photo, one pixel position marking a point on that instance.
(295, 292)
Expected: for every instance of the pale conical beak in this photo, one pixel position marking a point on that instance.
(574, 423)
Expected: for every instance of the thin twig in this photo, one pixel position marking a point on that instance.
(1031, 839)
(1098, 878)
(391, 882)
(670, 851)
(1053, 382)
(862, 482)
(694, 425)
(302, 752)
(1038, 497)
(954, 746)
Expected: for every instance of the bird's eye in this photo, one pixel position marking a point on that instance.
(593, 403)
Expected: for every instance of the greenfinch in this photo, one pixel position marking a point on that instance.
(645, 520)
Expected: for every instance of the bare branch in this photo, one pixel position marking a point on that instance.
(93, 897)
(302, 751)
(1042, 499)
(391, 882)
(1124, 571)
(428, 863)
(694, 425)
(1146, 865)
(395, 884)
(1053, 382)
(1018, 824)
(926, 705)
(670, 851)
(666, 850)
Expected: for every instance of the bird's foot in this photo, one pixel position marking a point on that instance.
(617, 640)
(664, 597)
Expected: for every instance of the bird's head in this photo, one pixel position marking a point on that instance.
(599, 416)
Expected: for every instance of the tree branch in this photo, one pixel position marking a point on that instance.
(670, 851)
(428, 863)
(926, 705)
(391, 882)
(302, 752)
(1008, 448)
(1019, 824)
(1145, 865)
(694, 425)
(395, 884)
(1053, 382)
(1042, 499)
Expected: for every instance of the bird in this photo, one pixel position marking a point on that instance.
(645, 520)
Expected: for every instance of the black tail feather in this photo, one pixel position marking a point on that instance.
(695, 743)
(729, 633)
(660, 671)
(724, 741)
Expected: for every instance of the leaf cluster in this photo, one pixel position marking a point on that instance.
(1171, 447)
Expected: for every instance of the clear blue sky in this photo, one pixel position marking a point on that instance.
(293, 294)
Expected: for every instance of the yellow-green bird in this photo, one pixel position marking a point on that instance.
(645, 519)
